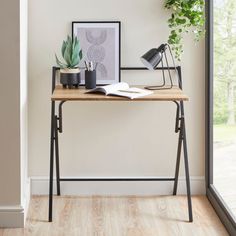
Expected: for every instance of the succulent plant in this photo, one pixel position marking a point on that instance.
(71, 53)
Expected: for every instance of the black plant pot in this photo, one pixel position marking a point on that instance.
(70, 78)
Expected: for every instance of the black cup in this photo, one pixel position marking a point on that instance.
(90, 79)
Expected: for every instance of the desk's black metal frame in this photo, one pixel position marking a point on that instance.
(56, 127)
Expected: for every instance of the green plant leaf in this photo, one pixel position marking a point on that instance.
(76, 49)
(76, 54)
(69, 39)
(75, 62)
(59, 63)
(63, 48)
(68, 52)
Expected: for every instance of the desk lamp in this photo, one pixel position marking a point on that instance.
(153, 58)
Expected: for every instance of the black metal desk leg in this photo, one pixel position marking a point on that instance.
(57, 155)
(187, 169)
(51, 162)
(178, 161)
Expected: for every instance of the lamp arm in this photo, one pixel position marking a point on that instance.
(157, 87)
(171, 82)
(173, 60)
(163, 73)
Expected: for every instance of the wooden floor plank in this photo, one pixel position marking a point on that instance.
(119, 216)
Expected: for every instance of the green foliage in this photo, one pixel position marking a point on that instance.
(220, 111)
(224, 61)
(71, 53)
(187, 15)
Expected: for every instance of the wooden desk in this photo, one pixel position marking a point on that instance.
(60, 96)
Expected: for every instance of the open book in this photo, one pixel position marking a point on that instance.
(121, 89)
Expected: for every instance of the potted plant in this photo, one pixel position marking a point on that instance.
(69, 70)
(185, 16)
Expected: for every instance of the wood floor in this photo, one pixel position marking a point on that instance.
(120, 216)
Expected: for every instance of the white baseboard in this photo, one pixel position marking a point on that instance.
(14, 216)
(11, 216)
(39, 186)
(26, 197)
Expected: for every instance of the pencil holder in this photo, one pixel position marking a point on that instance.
(90, 79)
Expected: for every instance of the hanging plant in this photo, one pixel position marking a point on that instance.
(187, 15)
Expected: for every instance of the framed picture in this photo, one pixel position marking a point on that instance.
(100, 43)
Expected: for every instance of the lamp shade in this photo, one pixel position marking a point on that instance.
(153, 57)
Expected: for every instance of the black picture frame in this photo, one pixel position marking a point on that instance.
(118, 67)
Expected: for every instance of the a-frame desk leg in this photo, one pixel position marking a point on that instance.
(186, 165)
(183, 141)
(54, 147)
(56, 128)
(52, 141)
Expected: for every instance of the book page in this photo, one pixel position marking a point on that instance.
(132, 93)
(107, 89)
(115, 87)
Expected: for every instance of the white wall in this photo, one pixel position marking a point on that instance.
(13, 122)
(107, 139)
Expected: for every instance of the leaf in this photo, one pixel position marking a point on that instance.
(75, 58)
(76, 48)
(77, 52)
(69, 39)
(75, 61)
(76, 41)
(59, 63)
(63, 48)
(67, 55)
(180, 21)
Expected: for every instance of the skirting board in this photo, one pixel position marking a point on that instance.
(39, 186)
(11, 216)
(26, 197)
(14, 216)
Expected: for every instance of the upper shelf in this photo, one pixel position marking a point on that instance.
(61, 94)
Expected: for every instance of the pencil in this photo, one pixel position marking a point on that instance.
(128, 91)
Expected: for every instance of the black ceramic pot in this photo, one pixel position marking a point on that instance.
(70, 78)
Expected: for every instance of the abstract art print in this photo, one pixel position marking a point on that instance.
(100, 43)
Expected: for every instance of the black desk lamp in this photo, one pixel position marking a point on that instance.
(151, 60)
